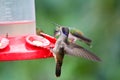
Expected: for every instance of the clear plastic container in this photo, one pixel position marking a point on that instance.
(17, 17)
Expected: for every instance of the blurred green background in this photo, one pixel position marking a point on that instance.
(97, 19)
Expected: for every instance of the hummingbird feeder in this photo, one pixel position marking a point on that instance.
(18, 39)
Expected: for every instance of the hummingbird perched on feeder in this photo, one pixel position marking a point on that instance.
(63, 46)
(74, 35)
(38, 31)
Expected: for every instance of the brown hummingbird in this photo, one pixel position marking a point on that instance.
(63, 46)
(58, 50)
(38, 31)
(74, 35)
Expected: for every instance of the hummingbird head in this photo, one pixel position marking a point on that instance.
(57, 31)
(65, 31)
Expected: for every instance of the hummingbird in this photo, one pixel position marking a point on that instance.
(38, 31)
(63, 46)
(74, 35)
(58, 50)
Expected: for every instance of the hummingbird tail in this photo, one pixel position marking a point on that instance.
(58, 69)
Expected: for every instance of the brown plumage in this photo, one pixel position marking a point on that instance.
(59, 59)
(63, 46)
(81, 37)
(76, 50)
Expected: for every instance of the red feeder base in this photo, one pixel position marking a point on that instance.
(23, 48)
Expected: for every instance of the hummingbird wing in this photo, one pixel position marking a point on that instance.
(80, 36)
(76, 50)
